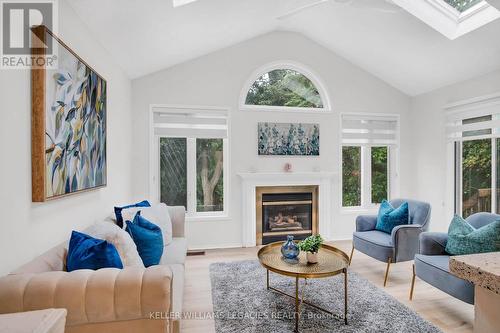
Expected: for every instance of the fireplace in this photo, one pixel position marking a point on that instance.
(286, 210)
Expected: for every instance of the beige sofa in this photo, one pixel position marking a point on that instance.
(107, 300)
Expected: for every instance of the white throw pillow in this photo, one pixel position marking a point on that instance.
(157, 214)
(120, 239)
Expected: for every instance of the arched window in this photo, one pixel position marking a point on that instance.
(284, 86)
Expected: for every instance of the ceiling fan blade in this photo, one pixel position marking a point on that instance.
(301, 8)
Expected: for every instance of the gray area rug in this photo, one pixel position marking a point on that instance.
(243, 304)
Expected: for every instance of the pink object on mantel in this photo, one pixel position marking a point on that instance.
(288, 167)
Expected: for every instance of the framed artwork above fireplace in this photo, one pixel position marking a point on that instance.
(288, 139)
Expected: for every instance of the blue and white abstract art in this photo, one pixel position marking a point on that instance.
(288, 139)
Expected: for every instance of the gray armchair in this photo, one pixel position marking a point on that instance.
(432, 262)
(401, 244)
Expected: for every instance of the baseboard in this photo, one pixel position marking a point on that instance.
(225, 246)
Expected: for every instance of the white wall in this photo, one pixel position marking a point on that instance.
(217, 79)
(429, 148)
(28, 229)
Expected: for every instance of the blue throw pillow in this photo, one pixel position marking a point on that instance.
(390, 217)
(86, 252)
(118, 211)
(463, 238)
(148, 238)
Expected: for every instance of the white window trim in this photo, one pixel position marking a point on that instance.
(285, 64)
(469, 106)
(393, 168)
(448, 20)
(154, 166)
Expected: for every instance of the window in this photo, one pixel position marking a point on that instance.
(369, 148)
(284, 87)
(380, 173)
(173, 171)
(209, 175)
(351, 176)
(476, 176)
(474, 134)
(189, 155)
(462, 5)
(452, 18)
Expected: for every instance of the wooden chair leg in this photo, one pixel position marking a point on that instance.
(387, 271)
(350, 257)
(412, 283)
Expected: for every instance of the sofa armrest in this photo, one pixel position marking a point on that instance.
(405, 241)
(433, 243)
(104, 295)
(178, 217)
(366, 222)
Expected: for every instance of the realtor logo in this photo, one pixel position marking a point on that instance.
(17, 39)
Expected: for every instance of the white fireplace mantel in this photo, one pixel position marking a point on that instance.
(251, 180)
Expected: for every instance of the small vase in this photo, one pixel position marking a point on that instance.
(312, 258)
(290, 250)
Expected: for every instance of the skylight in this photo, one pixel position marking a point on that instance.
(178, 3)
(462, 5)
(453, 18)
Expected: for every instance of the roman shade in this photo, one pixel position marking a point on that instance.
(369, 130)
(472, 123)
(191, 122)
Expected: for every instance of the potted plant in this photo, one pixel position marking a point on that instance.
(311, 246)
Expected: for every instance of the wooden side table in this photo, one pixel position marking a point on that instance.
(41, 321)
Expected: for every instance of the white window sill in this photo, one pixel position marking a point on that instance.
(372, 210)
(208, 218)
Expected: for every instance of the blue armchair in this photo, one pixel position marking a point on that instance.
(401, 244)
(432, 262)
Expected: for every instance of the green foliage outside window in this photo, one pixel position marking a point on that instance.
(476, 176)
(462, 5)
(379, 174)
(209, 175)
(173, 171)
(351, 176)
(284, 87)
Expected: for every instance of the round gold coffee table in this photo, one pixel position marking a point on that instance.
(331, 261)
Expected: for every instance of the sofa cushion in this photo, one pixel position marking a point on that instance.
(148, 238)
(390, 217)
(435, 271)
(375, 237)
(86, 252)
(464, 239)
(374, 243)
(175, 252)
(177, 287)
(120, 239)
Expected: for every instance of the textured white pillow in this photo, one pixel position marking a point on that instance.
(157, 214)
(120, 239)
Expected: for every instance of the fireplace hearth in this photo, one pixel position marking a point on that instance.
(286, 210)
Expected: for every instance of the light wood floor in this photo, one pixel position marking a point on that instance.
(449, 314)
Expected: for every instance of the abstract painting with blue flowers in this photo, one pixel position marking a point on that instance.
(288, 139)
(75, 126)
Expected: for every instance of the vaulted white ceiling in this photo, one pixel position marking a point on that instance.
(149, 35)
